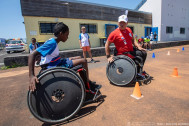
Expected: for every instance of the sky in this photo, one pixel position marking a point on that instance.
(11, 19)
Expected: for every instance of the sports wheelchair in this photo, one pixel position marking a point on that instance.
(126, 69)
(60, 94)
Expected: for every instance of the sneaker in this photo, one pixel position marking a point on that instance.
(140, 77)
(145, 74)
(94, 86)
(92, 61)
(92, 82)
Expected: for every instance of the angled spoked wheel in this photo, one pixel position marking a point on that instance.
(122, 71)
(59, 95)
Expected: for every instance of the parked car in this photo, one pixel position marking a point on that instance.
(15, 45)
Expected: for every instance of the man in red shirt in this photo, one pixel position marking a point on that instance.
(123, 39)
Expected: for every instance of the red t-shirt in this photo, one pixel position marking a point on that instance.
(122, 40)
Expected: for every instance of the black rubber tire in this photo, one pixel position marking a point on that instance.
(40, 113)
(121, 80)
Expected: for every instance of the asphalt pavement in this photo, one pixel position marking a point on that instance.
(165, 101)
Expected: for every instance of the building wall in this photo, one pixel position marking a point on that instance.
(154, 6)
(33, 30)
(175, 13)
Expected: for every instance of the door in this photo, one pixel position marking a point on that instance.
(147, 31)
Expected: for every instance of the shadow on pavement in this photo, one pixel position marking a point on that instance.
(82, 113)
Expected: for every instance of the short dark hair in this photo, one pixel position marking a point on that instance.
(33, 39)
(60, 27)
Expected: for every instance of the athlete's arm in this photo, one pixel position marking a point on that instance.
(32, 78)
(135, 43)
(107, 49)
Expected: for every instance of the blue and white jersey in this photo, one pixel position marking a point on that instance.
(84, 39)
(49, 53)
(33, 47)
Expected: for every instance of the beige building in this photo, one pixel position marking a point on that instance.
(99, 20)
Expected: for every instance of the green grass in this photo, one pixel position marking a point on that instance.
(12, 66)
(4, 67)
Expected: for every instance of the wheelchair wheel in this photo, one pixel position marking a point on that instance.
(122, 71)
(59, 95)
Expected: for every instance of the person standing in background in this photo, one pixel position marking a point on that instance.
(151, 38)
(155, 37)
(85, 43)
(32, 47)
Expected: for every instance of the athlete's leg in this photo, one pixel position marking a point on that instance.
(74, 58)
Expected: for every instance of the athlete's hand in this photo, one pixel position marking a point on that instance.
(32, 81)
(140, 48)
(110, 59)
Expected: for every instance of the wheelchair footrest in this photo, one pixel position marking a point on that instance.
(142, 78)
(92, 96)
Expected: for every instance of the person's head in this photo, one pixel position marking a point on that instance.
(83, 29)
(33, 41)
(123, 21)
(142, 37)
(151, 32)
(136, 36)
(147, 37)
(61, 31)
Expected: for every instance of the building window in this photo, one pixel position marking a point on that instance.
(132, 28)
(90, 28)
(47, 28)
(182, 30)
(169, 29)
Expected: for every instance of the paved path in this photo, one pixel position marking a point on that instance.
(165, 101)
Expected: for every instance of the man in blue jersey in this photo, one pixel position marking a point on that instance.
(50, 56)
(33, 46)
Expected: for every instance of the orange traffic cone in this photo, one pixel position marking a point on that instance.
(178, 50)
(175, 72)
(136, 93)
(168, 53)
